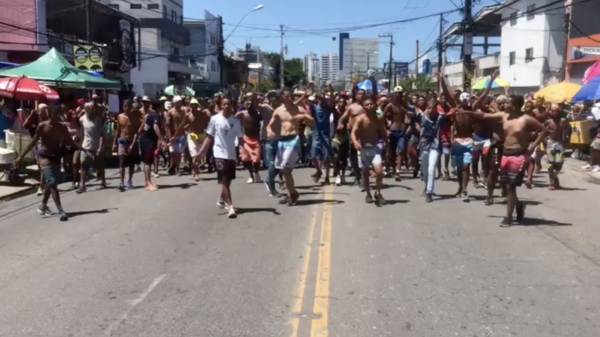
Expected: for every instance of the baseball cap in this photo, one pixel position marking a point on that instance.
(194, 101)
(398, 89)
(177, 99)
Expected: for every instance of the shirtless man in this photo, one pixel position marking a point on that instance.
(518, 148)
(540, 113)
(555, 145)
(462, 144)
(368, 131)
(340, 144)
(352, 112)
(289, 115)
(492, 151)
(250, 149)
(54, 137)
(194, 123)
(31, 123)
(397, 113)
(175, 117)
(125, 145)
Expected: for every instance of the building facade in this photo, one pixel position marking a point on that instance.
(162, 30)
(329, 67)
(311, 66)
(31, 16)
(343, 38)
(359, 55)
(584, 38)
(532, 44)
(250, 54)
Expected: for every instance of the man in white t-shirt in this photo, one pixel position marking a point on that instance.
(222, 132)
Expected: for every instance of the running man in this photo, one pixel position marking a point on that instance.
(194, 123)
(93, 142)
(223, 130)
(321, 110)
(289, 115)
(54, 137)
(126, 145)
(397, 112)
(352, 112)
(369, 136)
(151, 138)
(250, 148)
(177, 145)
(555, 146)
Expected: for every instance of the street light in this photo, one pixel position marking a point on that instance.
(257, 8)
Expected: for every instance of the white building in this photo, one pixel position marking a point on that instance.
(162, 31)
(330, 64)
(311, 66)
(532, 44)
(360, 55)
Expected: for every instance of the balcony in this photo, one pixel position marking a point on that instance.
(169, 29)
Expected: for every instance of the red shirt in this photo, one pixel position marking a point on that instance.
(445, 128)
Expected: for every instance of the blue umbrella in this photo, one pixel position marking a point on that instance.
(367, 86)
(589, 92)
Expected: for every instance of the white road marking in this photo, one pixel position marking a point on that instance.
(134, 303)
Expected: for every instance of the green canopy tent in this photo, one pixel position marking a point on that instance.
(52, 69)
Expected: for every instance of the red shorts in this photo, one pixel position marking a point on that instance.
(513, 167)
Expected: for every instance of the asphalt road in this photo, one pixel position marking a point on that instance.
(170, 263)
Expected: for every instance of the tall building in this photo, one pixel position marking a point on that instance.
(330, 64)
(162, 30)
(343, 37)
(250, 54)
(359, 55)
(311, 66)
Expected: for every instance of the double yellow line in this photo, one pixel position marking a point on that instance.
(320, 309)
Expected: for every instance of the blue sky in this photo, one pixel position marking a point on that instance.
(315, 22)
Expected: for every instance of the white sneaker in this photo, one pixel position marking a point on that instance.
(40, 191)
(222, 204)
(338, 181)
(155, 175)
(232, 214)
(250, 181)
(586, 167)
(596, 169)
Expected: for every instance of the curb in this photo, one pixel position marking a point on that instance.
(22, 193)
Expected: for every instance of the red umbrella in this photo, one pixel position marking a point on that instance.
(25, 88)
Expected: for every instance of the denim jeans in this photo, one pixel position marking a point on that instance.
(429, 158)
(271, 152)
(263, 148)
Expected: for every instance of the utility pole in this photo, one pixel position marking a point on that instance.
(567, 30)
(282, 59)
(220, 48)
(417, 58)
(467, 26)
(88, 21)
(390, 68)
(440, 47)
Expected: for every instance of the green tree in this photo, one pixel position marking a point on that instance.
(421, 83)
(292, 73)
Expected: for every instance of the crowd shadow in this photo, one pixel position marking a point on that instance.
(310, 202)
(94, 211)
(387, 186)
(320, 192)
(528, 221)
(247, 210)
(396, 201)
(183, 186)
(309, 187)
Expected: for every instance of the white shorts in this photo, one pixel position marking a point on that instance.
(194, 146)
(371, 155)
(287, 153)
(178, 145)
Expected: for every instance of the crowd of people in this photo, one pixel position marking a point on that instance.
(373, 135)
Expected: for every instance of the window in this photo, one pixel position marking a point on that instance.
(153, 6)
(115, 6)
(213, 66)
(511, 58)
(513, 18)
(213, 40)
(174, 50)
(164, 11)
(135, 6)
(529, 55)
(173, 16)
(530, 12)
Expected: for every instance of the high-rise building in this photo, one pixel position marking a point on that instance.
(250, 54)
(330, 67)
(311, 66)
(359, 55)
(343, 37)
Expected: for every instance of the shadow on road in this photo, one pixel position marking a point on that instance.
(316, 192)
(394, 202)
(244, 210)
(309, 202)
(182, 186)
(536, 222)
(308, 187)
(95, 211)
(386, 186)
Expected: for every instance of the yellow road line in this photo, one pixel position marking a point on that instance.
(295, 321)
(319, 326)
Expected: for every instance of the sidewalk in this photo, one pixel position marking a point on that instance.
(575, 165)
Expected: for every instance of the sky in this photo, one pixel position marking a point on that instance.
(311, 26)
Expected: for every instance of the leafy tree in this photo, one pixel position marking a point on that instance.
(292, 73)
(419, 83)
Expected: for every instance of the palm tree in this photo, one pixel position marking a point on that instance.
(419, 83)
